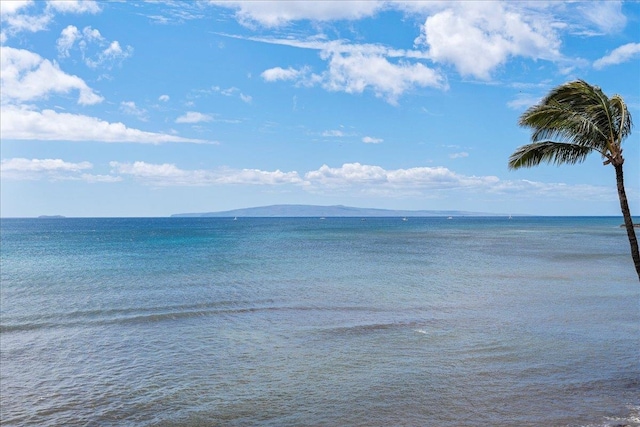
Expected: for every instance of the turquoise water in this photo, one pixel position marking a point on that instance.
(309, 322)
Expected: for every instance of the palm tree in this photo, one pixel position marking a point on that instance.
(583, 119)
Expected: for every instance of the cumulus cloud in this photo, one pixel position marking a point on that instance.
(95, 49)
(619, 55)
(52, 169)
(67, 39)
(355, 69)
(40, 165)
(33, 16)
(163, 98)
(278, 73)
(278, 13)
(389, 80)
(26, 76)
(478, 37)
(419, 177)
(74, 6)
(170, 175)
(355, 179)
(48, 125)
(194, 117)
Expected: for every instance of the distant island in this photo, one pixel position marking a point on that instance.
(328, 211)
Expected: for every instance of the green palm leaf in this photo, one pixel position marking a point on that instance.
(549, 152)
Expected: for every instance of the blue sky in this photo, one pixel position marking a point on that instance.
(154, 108)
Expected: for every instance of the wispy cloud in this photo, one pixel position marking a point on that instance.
(23, 123)
(95, 49)
(130, 108)
(334, 133)
(619, 55)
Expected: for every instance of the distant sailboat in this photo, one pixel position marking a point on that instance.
(405, 219)
(235, 218)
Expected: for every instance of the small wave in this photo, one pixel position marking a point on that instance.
(89, 318)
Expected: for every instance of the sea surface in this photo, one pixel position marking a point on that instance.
(533, 321)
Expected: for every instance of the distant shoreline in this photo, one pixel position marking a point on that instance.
(293, 211)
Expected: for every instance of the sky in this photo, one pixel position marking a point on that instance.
(146, 109)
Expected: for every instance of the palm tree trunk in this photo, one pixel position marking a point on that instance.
(628, 222)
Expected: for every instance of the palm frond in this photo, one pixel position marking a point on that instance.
(579, 113)
(621, 116)
(549, 152)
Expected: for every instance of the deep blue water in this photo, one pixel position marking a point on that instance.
(308, 322)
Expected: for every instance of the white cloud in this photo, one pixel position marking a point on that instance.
(478, 37)
(40, 165)
(354, 179)
(357, 72)
(333, 133)
(51, 169)
(26, 76)
(113, 53)
(437, 178)
(25, 124)
(606, 15)
(277, 13)
(163, 98)
(354, 69)
(130, 108)
(92, 46)
(279, 73)
(11, 7)
(194, 117)
(619, 55)
(18, 15)
(74, 6)
(170, 175)
(371, 140)
(459, 155)
(233, 91)
(67, 39)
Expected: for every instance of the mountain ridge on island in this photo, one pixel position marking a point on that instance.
(286, 211)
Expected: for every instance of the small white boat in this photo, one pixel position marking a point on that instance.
(235, 218)
(450, 217)
(405, 219)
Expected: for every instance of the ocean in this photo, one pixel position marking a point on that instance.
(469, 321)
